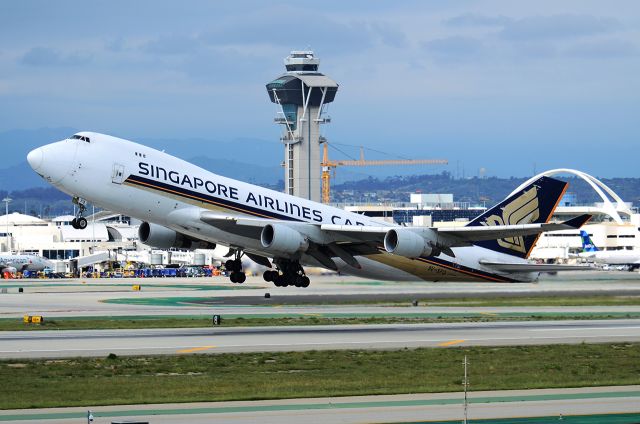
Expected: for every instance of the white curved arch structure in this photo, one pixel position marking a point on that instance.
(609, 208)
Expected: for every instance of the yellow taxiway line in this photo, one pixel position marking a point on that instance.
(450, 343)
(196, 349)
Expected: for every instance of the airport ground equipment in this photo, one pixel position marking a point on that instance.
(33, 319)
(302, 95)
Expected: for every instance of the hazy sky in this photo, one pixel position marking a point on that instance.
(503, 85)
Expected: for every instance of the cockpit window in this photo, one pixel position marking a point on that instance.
(80, 137)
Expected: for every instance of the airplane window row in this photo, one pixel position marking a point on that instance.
(81, 137)
(141, 155)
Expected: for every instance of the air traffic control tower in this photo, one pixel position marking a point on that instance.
(301, 95)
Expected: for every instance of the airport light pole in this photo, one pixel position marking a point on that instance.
(465, 383)
(6, 201)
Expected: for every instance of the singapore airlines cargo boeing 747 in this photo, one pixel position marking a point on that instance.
(184, 206)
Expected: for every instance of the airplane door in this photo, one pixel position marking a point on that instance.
(117, 176)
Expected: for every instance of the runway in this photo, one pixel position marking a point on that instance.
(328, 294)
(61, 344)
(566, 405)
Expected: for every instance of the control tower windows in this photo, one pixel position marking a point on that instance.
(302, 67)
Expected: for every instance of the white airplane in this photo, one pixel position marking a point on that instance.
(590, 252)
(14, 263)
(185, 206)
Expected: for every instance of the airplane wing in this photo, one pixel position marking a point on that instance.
(474, 234)
(460, 236)
(345, 235)
(323, 246)
(246, 227)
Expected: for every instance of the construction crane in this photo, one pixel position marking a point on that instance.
(329, 165)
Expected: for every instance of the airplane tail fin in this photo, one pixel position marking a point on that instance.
(587, 244)
(534, 204)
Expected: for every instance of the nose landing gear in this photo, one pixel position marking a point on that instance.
(290, 273)
(79, 222)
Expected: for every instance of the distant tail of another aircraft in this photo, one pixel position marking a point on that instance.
(534, 204)
(587, 244)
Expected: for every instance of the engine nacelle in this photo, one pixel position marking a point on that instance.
(164, 238)
(403, 242)
(280, 238)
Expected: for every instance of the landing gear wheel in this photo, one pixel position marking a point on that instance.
(270, 276)
(305, 281)
(290, 274)
(74, 223)
(81, 223)
(237, 277)
(233, 265)
(228, 265)
(279, 281)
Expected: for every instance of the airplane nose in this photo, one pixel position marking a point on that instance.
(35, 158)
(53, 161)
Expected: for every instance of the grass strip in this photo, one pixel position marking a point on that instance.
(179, 321)
(479, 300)
(253, 376)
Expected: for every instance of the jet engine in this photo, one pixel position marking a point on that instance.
(282, 239)
(404, 242)
(164, 238)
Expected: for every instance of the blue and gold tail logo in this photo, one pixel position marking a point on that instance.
(533, 204)
(522, 210)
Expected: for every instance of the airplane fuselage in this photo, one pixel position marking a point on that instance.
(23, 262)
(613, 257)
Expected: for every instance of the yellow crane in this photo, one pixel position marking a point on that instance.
(329, 165)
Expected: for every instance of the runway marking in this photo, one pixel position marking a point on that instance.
(491, 314)
(196, 349)
(450, 343)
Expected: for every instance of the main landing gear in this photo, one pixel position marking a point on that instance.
(290, 273)
(235, 267)
(79, 222)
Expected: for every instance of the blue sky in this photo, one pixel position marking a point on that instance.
(502, 85)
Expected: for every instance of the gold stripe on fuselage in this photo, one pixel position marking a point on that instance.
(429, 271)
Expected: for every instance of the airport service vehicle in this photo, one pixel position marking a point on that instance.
(629, 258)
(14, 263)
(184, 206)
